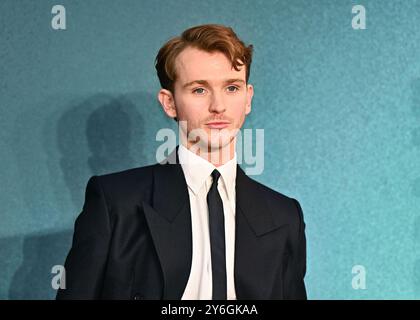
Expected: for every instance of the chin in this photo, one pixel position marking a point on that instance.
(205, 145)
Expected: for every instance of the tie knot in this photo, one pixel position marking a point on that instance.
(215, 175)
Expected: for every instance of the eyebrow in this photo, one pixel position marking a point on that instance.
(205, 82)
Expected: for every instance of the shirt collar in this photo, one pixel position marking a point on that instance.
(197, 170)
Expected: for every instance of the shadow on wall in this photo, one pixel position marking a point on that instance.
(94, 136)
(32, 280)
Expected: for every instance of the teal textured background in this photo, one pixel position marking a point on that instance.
(340, 109)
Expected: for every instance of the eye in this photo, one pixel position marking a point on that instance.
(232, 88)
(198, 90)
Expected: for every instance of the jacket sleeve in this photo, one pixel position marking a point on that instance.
(86, 261)
(295, 285)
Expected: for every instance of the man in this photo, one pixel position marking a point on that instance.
(198, 228)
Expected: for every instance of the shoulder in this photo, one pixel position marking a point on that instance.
(270, 195)
(125, 185)
(281, 205)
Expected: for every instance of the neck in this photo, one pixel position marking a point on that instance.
(216, 156)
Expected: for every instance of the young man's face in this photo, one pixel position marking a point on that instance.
(210, 95)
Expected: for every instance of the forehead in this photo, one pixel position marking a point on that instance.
(193, 64)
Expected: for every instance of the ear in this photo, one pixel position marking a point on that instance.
(249, 95)
(167, 101)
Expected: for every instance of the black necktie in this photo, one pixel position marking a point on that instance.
(217, 239)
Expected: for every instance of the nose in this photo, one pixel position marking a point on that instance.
(217, 104)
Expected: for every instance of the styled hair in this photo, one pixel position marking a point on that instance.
(208, 37)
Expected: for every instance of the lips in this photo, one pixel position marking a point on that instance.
(217, 124)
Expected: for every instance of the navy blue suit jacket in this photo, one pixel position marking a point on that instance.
(133, 239)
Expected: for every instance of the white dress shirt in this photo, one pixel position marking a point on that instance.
(197, 173)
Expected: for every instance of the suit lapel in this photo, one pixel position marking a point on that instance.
(256, 242)
(169, 221)
(257, 245)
